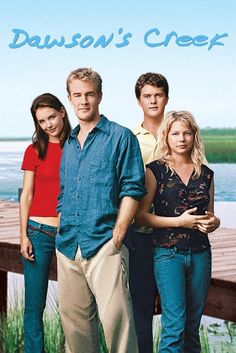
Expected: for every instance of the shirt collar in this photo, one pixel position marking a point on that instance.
(139, 130)
(102, 125)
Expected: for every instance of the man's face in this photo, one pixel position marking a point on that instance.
(152, 100)
(84, 99)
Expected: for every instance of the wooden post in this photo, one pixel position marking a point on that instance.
(3, 292)
(221, 300)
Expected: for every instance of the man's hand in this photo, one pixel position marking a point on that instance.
(125, 216)
(118, 237)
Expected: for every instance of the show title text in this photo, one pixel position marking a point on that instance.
(153, 38)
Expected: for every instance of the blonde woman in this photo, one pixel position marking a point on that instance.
(181, 189)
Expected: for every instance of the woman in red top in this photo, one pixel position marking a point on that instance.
(38, 217)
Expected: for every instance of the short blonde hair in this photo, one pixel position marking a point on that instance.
(164, 153)
(85, 74)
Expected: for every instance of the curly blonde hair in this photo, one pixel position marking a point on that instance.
(164, 153)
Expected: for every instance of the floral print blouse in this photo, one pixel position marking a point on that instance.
(172, 198)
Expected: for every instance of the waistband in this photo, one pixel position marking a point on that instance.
(44, 228)
(185, 250)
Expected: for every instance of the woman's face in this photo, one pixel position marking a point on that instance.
(51, 122)
(180, 138)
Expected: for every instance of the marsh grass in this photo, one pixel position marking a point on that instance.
(12, 334)
(204, 340)
(220, 145)
(54, 338)
(103, 345)
(215, 338)
(11, 329)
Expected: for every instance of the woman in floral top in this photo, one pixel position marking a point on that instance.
(181, 189)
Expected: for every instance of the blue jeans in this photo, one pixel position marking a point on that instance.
(36, 284)
(183, 279)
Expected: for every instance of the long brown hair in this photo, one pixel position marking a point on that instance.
(40, 138)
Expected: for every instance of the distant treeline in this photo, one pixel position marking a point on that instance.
(220, 145)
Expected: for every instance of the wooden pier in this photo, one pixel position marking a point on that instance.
(221, 300)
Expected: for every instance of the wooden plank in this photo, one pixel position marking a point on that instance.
(221, 302)
(10, 260)
(229, 276)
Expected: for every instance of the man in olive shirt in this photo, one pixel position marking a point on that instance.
(152, 92)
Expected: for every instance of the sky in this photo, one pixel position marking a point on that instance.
(201, 74)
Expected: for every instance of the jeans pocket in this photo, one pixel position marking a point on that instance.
(161, 254)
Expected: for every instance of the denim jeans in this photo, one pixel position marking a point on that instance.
(142, 288)
(36, 284)
(183, 279)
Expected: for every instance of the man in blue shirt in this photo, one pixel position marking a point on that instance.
(102, 180)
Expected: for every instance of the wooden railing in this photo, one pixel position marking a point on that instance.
(10, 261)
(221, 300)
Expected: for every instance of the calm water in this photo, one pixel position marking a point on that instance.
(11, 154)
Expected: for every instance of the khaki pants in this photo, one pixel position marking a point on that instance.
(97, 286)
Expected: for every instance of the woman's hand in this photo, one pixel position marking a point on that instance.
(27, 249)
(189, 220)
(210, 224)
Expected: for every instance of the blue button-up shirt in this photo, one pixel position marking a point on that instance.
(94, 179)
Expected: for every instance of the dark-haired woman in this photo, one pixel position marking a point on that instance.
(38, 217)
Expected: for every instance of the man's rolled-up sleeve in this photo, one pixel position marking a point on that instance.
(130, 170)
